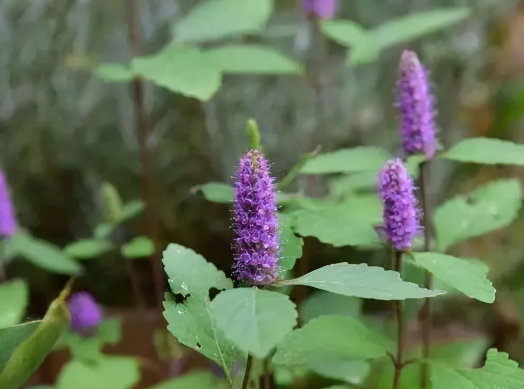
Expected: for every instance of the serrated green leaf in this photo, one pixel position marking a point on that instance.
(255, 320)
(193, 380)
(217, 192)
(353, 160)
(458, 273)
(87, 248)
(216, 19)
(331, 338)
(12, 337)
(498, 372)
(43, 254)
(132, 209)
(326, 303)
(114, 72)
(487, 208)
(115, 372)
(487, 151)
(184, 70)
(291, 244)
(13, 301)
(138, 247)
(361, 281)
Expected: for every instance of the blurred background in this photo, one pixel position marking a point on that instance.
(64, 132)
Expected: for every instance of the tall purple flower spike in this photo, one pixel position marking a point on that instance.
(7, 214)
(417, 107)
(255, 222)
(322, 9)
(85, 313)
(401, 216)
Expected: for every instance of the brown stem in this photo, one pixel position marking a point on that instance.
(146, 170)
(138, 297)
(397, 309)
(425, 312)
(248, 371)
(268, 377)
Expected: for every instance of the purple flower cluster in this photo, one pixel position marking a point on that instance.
(322, 9)
(401, 216)
(417, 107)
(255, 221)
(7, 214)
(85, 313)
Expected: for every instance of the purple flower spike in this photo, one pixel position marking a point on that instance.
(7, 214)
(85, 313)
(417, 107)
(322, 9)
(401, 216)
(255, 222)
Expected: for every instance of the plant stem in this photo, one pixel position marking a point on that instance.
(146, 170)
(248, 371)
(138, 297)
(397, 308)
(425, 312)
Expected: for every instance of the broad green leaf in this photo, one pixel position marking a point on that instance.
(326, 303)
(338, 387)
(468, 278)
(362, 281)
(416, 25)
(87, 248)
(193, 380)
(252, 59)
(190, 273)
(12, 337)
(30, 353)
(112, 203)
(255, 320)
(487, 151)
(109, 372)
(488, 208)
(184, 70)
(114, 72)
(350, 184)
(498, 372)
(43, 254)
(330, 339)
(14, 296)
(291, 244)
(347, 161)
(349, 223)
(138, 247)
(217, 192)
(132, 209)
(216, 19)
(354, 372)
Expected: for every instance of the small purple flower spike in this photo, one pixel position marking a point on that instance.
(255, 222)
(401, 216)
(7, 214)
(417, 107)
(322, 9)
(85, 313)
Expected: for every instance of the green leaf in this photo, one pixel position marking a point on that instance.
(416, 25)
(326, 303)
(14, 296)
(498, 372)
(329, 339)
(362, 281)
(347, 161)
(217, 192)
(216, 19)
(132, 209)
(103, 230)
(115, 372)
(487, 151)
(193, 380)
(138, 247)
(114, 72)
(112, 203)
(291, 244)
(190, 273)
(30, 353)
(44, 254)
(487, 208)
(462, 275)
(12, 337)
(353, 372)
(349, 223)
(87, 248)
(252, 59)
(255, 320)
(184, 70)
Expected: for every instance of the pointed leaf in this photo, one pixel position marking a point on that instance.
(132, 209)
(12, 337)
(217, 192)
(87, 248)
(487, 151)
(138, 247)
(13, 301)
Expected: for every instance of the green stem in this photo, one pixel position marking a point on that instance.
(248, 371)
(397, 309)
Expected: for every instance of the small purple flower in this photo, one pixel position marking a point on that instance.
(417, 107)
(255, 222)
(7, 214)
(401, 216)
(85, 313)
(322, 9)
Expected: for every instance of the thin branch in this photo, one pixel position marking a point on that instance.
(397, 309)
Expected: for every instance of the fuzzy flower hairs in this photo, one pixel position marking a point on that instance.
(256, 245)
